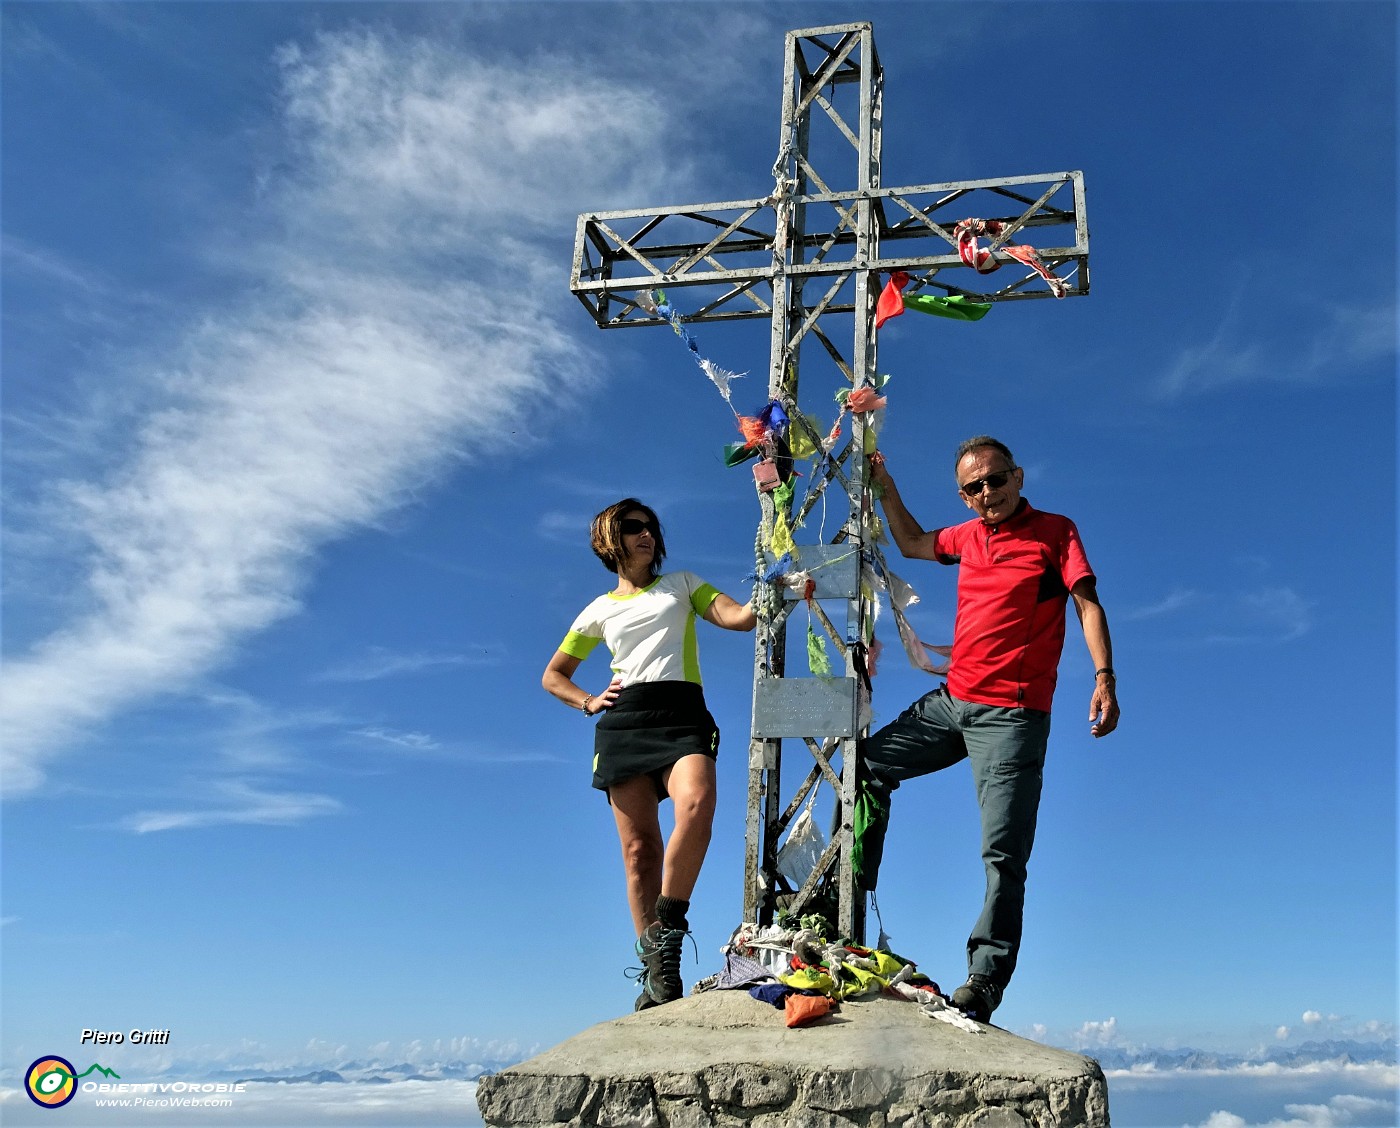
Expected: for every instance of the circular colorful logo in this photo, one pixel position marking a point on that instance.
(50, 1081)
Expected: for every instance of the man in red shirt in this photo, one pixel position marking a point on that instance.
(1017, 569)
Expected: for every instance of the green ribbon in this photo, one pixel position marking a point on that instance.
(872, 819)
(817, 660)
(955, 306)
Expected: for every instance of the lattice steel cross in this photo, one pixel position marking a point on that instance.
(754, 258)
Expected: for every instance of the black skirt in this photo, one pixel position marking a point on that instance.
(649, 728)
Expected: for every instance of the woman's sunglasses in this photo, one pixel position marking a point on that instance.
(630, 527)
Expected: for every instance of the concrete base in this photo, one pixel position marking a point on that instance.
(724, 1059)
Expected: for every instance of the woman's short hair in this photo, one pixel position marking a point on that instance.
(606, 535)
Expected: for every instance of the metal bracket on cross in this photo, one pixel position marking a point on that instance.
(799, 256)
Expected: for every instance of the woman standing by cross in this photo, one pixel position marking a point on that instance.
(655, 739)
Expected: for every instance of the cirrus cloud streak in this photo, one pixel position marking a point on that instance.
(357, 367)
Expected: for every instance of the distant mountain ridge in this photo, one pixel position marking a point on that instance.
(1350, 1051)
(1382, 1052)
(374, 1073)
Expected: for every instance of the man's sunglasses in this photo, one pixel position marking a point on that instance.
(996, 481)
(631, 527)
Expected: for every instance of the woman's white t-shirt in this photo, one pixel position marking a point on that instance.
(650, 633)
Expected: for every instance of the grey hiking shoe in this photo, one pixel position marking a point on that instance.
(977, 998)
(659, 949)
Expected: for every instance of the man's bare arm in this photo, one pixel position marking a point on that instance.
(1103, 705)
(908, 534)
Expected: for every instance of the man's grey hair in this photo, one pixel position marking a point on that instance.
(978, 442)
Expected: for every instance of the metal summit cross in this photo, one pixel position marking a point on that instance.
(767, 258)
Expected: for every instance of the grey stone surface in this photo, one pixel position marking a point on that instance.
(722, 1060)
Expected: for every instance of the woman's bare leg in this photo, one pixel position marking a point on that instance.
(636, 812)
(690, 782)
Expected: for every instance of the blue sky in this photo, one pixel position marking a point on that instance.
(303, 430)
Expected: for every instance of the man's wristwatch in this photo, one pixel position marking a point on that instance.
(1106, 670)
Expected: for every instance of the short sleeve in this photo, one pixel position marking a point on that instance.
(585, 633)
(947, 544)
(702, 596)
(698, 593)
(1074, 563)
(577, 645)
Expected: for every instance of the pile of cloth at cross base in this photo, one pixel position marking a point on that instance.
(800, 972)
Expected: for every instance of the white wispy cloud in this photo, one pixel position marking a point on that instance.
(252, 757)
(413, 741)
(1331, 342)
(235, 803)
(571, 528)
(1228, 356)
(396, 1104)
(23, 257)
(363, 361)
(1174, 600)
(1344, 1111)
(1268, 613)
(1271, 614)
(1283, 607)
(1092, 1034)
(381, 662)
(426, 745)
(1324, 1094)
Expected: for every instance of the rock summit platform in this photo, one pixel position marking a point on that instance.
(724, 1059)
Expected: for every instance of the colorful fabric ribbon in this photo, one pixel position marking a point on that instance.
(902, 595)
(956, 307)
(654, 302)
(781, 543)
(891, 303)
(800, 1009)
(817, 660)
(753, 429)
(984, 262)
(862, 400)
(918, 650)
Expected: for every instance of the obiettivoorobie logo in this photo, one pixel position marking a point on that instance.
(52, 1081)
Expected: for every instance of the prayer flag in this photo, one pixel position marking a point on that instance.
(958, 307)
(890, 304)
(817, 661)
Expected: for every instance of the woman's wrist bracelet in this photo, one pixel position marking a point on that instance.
(584, 707)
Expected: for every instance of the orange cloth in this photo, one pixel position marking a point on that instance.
(865, 399)
(753, 430)
(802, 1009)
(891, 303)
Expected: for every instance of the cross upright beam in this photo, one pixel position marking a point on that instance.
(799, 256)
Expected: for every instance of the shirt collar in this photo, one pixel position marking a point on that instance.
(1023, 511)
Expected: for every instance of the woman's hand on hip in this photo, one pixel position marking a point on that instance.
(608, 698)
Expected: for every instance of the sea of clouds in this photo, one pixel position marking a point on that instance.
(1337, 1093)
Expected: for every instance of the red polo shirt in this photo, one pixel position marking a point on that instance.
(1013, 583)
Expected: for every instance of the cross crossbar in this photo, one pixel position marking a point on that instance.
(914, 229)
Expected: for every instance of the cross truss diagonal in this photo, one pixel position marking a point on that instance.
(800, 256)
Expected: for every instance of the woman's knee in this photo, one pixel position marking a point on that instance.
(642, 852)
(696, 805)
